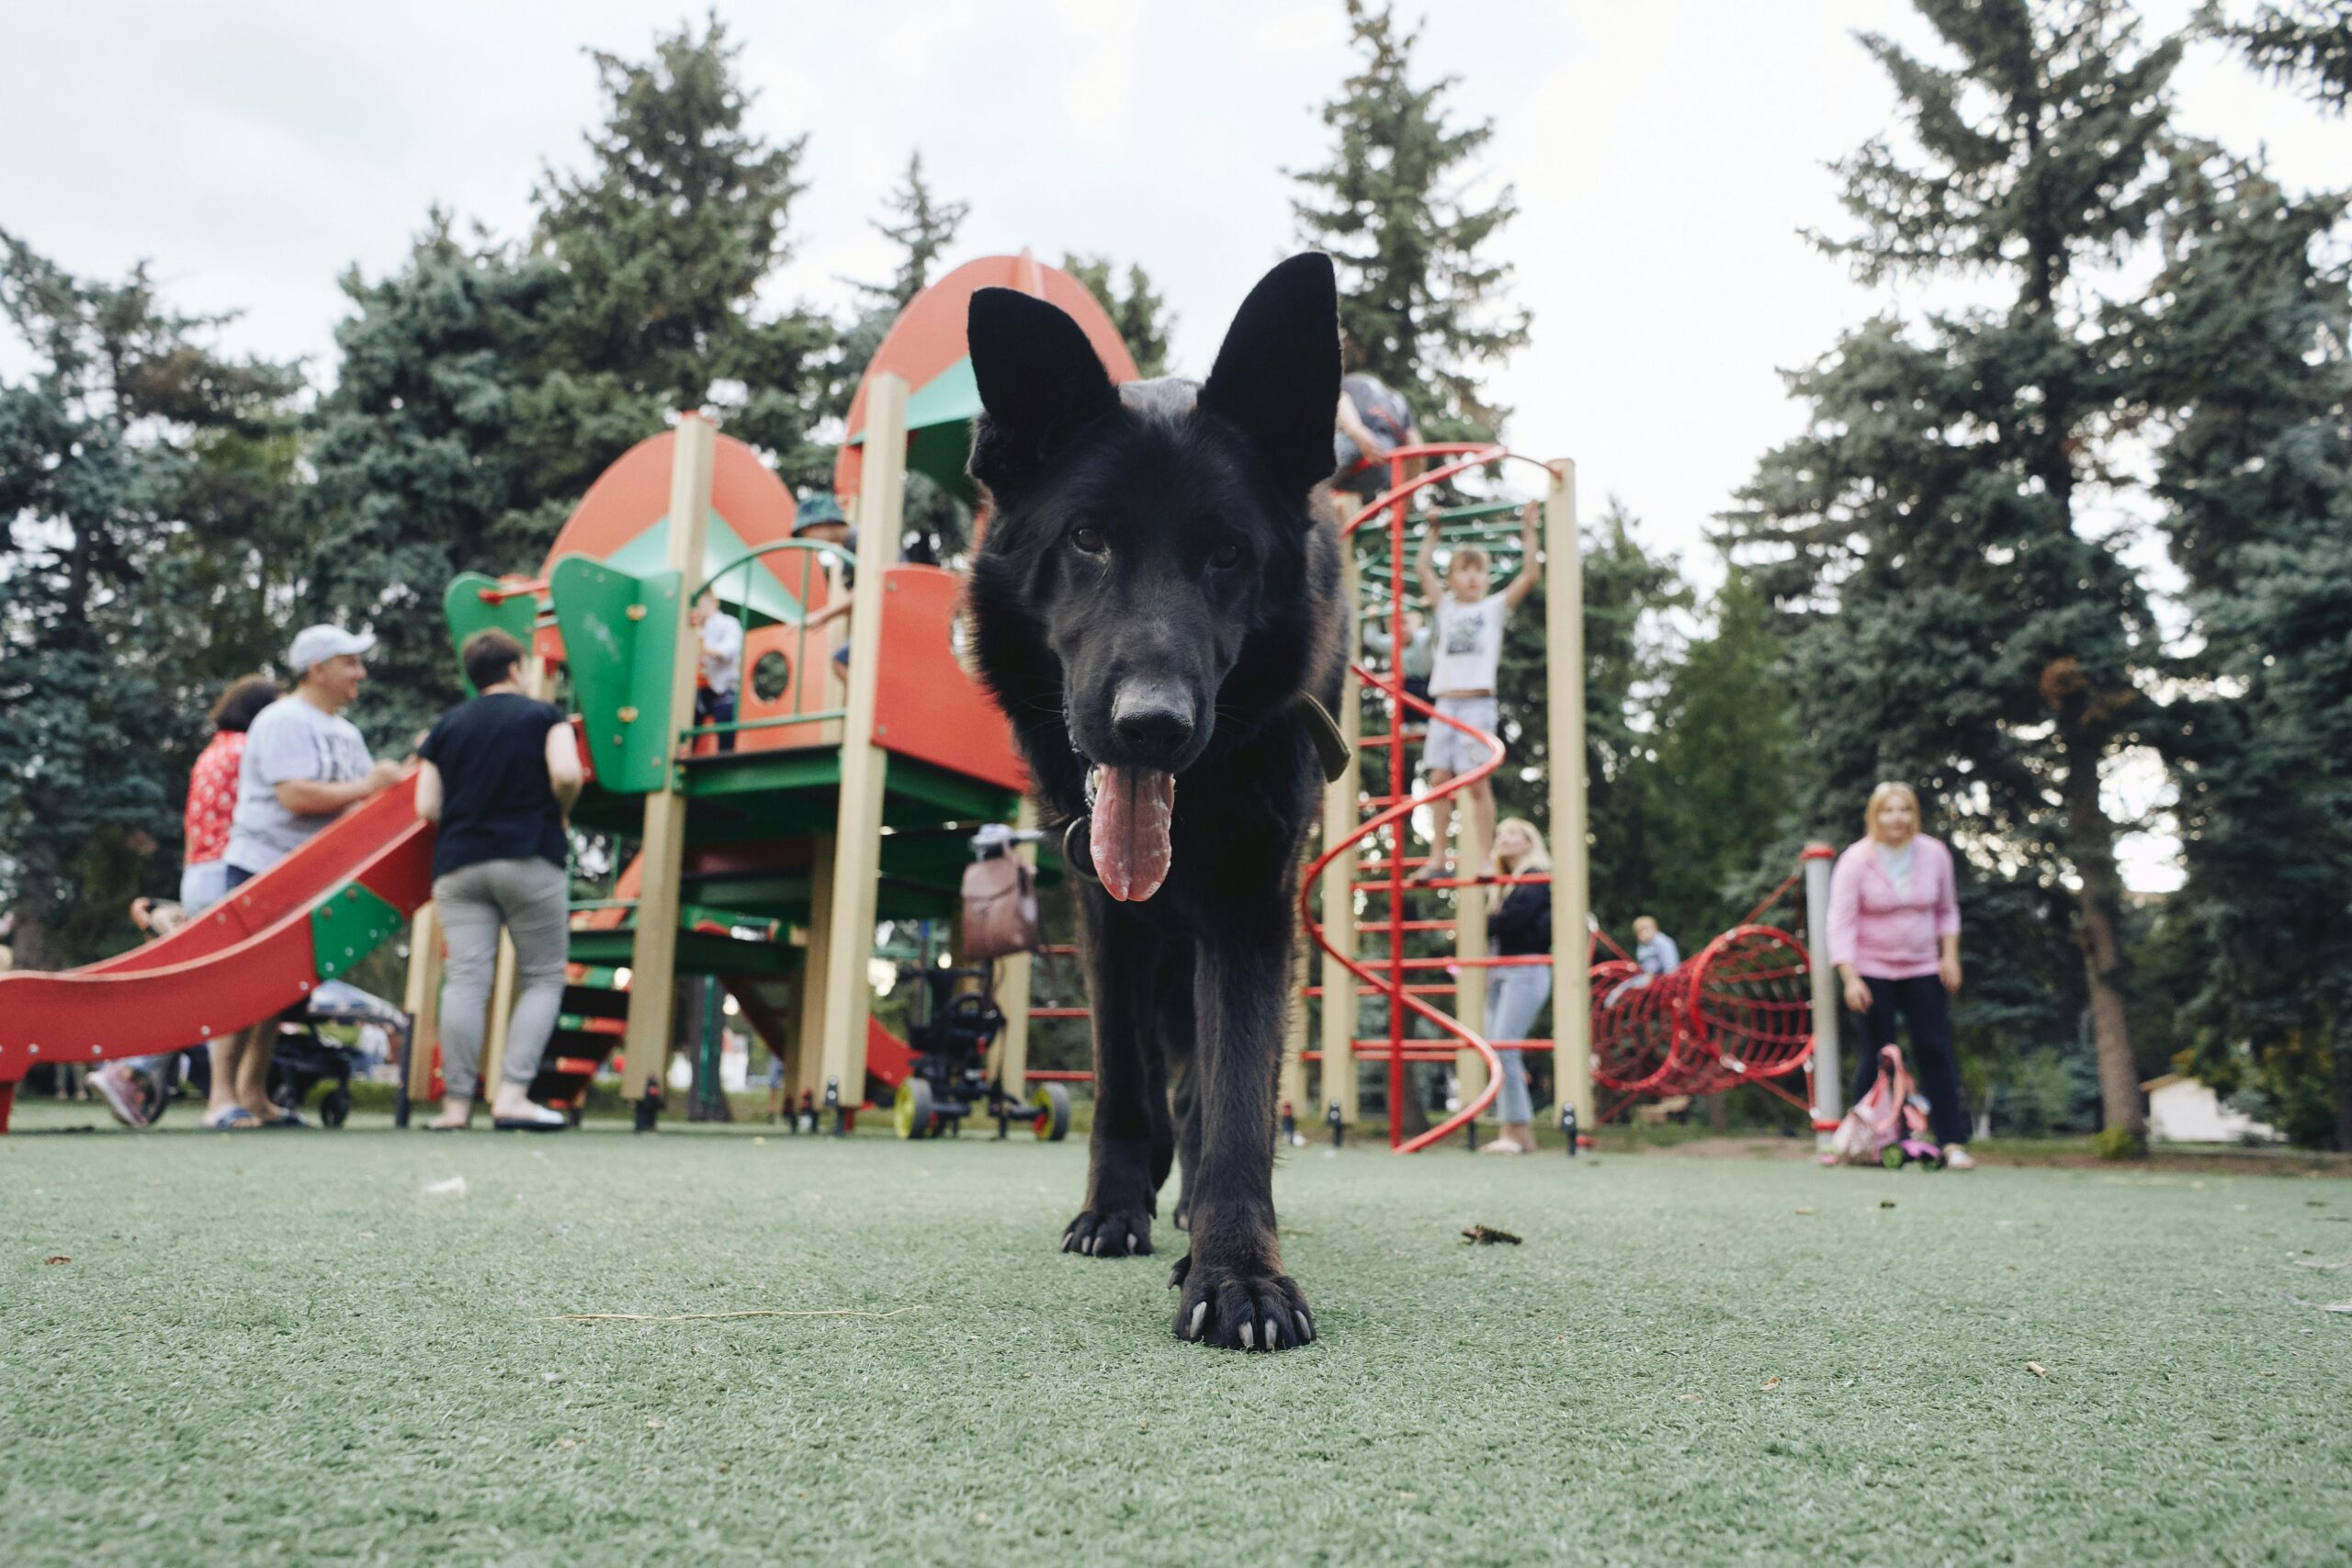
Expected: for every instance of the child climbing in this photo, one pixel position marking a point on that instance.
(1467, 638)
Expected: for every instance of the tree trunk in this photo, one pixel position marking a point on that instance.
(31, 939)
(2098, 902)
(2340, 1048)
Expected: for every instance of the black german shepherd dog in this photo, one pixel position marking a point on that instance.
(1154, 596)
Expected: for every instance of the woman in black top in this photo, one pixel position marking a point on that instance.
(498, 775)
(1519, 926)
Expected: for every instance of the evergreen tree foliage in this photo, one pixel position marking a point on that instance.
(1420, 308)
(427, 453)
(143, 478)
(1990, 643)
(483, 387)
(2308, 42)
(1141, 315)
(1628, 594)
(2248, 349)
(922, 226)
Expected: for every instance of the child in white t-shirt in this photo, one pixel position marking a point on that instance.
(1466, 644)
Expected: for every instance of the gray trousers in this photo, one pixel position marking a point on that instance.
(531, 899)
(1515, 994)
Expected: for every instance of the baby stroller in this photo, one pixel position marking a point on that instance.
(1888, 1126)
(303, 1058)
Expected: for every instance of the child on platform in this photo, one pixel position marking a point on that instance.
(1466, 635)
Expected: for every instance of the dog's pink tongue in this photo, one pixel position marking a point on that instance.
(1134, 808)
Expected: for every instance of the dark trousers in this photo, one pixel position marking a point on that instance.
(1926, 1009)
(715, 707)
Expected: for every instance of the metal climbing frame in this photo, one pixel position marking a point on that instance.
(1743, 1011)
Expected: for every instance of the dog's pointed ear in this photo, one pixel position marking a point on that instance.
(1040, 383)
(1277, 375)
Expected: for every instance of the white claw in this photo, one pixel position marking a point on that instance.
(1305, 1332)
(1131, 1241)
(1270, 1340)
(1088, 1248)
(1198, 1312)
(1249, 1337)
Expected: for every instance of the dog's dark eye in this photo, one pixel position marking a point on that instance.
(1088, 541)
(1227, 554)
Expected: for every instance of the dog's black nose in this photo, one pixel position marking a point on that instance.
(1152, 719)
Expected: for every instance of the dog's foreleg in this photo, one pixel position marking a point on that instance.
(1234, 1292)
(1122, 960)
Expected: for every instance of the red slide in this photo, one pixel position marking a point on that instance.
(257, 952)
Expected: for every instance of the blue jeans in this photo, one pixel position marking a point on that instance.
(1514, 995)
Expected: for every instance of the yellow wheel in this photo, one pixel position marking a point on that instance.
(911, 1113)
(1052, 1102)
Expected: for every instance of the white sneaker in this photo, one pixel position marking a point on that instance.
(1956, 1157)
(119, 1088)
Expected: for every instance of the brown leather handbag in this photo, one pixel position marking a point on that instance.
(1001, 916)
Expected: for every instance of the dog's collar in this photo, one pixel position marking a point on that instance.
(1331, 747)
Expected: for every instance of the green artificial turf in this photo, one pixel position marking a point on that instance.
(276, 1344)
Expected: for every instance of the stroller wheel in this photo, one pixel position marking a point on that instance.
(1891, 1157)
(335, 1106)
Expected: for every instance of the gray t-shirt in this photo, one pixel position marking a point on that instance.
(290, 740)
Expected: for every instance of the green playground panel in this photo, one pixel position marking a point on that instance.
(467, 612)
(346, 925)
(617, 630)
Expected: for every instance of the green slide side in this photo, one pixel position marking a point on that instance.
(618, 634)
(468, 613)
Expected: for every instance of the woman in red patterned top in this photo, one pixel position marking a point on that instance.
(204, 875)
(212, 791)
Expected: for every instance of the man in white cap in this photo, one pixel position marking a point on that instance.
(305, 764)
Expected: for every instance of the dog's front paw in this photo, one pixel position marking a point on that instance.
(1240, 1309)
(1111, 1233)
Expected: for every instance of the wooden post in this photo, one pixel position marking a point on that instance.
(1571, 856)
(423, 1000)
(1470, 986)
(1292, 1086)
(1828, 1083)
(1013, 977)
(653, 954)
(1342, 805)
(806, 1070)
(858, 834)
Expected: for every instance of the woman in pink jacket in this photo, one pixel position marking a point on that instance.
(1895, 937)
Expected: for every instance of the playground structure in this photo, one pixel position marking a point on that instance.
(847, 797)
(1753, 1007)
(847, 788)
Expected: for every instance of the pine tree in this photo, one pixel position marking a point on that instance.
(1420, 308)
(424, 457)
(1141, 315)
(144, 478)
(664, 243)
(2308, 42)
(1989, 642)
(2249, 350)
(922, 226)
(483, 387)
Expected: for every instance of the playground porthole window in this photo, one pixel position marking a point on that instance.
(771, 676)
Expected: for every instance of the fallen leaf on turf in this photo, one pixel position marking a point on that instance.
(1886, 1202)
(1691, 1398)
(1486, 1235)
(2324, 1267)
(455, 1187)
(1805, 1211)
(2326, 1306)
(2037, 1369)
(653, 1423)
(60, 1258)
(1770, 1382)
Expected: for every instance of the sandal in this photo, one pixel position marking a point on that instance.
(540, 1120)
(235, 1119)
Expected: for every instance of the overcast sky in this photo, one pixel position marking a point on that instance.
(1665, 155)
